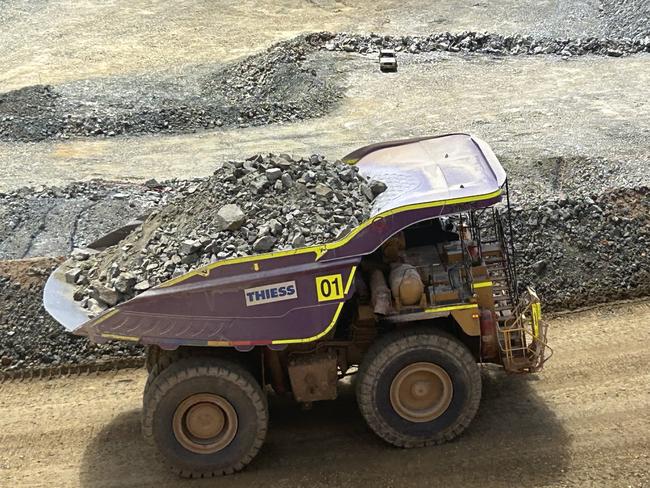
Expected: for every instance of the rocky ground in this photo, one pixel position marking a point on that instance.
(51, 221)
(28, 335)
(274, 86)
(288, 82)
(628, 18)
(579, 250)
(483, 43)
(50, 42)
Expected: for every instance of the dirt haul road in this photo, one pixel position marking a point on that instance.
(582, 422)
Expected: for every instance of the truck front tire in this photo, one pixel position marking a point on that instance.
(207, 416)
(418, 387)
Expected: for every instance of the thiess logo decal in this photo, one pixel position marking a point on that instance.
(271, 293)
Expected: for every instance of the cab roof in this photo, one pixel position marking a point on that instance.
(429, 169)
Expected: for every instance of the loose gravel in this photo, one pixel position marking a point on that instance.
(29, 337)
(625, 18)
(292, 80)
(262, 204)
(278, 85)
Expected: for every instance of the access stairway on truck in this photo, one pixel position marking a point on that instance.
(496, 262)
(520, 330)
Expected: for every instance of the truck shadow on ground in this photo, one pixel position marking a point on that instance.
(514, 440)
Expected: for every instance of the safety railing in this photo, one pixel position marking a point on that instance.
(522, 339)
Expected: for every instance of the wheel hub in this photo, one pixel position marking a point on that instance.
(421, 392)
(205, 420)
(205, 423)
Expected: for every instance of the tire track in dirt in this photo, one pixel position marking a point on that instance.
(581, 422)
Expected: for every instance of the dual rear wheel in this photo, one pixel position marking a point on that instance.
(209, 416)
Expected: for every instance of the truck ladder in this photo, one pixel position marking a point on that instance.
(521, 332)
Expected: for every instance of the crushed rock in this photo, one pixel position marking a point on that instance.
(482, 43)
(29, 336)
(584, 250)
(262, 204)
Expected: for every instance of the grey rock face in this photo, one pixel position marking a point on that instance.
(125, 282)
(287, 181)
(273, 174)
(72, 275)
(377, 187)
(189, 246)
(104, 294)
(142, 286)
(94, 306)
(540, 266)
(80, 254)
(323, 190)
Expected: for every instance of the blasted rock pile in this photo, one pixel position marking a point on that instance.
(482, 43)
(585, 250)
(277, 85)
(29, 337)
(262, 204)
(281, 84)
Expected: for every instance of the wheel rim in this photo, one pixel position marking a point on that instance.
(421, 392)
(205, 423)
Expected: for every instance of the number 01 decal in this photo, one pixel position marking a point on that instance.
(329, 287)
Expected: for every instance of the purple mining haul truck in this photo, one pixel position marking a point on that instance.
(411, 301)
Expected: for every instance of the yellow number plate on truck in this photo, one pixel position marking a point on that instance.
(329, 287)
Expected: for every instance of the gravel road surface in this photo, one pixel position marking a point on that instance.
(54, 41)
(581, 422)
(527, 108)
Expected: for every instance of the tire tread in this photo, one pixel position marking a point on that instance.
(188, 368)
(397, 342)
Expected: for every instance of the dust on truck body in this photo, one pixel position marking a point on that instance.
(411, 301)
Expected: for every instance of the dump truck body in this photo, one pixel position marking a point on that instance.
(210, 306)
(410, 300)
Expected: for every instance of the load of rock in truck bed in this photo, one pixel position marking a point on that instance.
(247, 207)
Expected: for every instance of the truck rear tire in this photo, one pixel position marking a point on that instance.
(157, 361)
(418, 387)
(207, 416)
